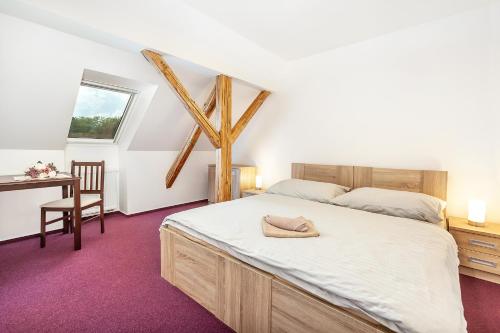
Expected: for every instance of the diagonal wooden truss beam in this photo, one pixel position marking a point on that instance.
(191, 106)
(249, 113)
(175, 169)
(221, 138)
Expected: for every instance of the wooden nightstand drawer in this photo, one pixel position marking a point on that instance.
(475, 242)
(481, 261)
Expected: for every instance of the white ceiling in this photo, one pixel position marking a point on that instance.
(294, 29)
(169, 26)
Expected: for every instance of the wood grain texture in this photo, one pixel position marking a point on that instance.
(235, 292)
(476, 242)
(480, 261)
(243, 179)
(7, 182)
(478, 248)
(423, 181)
(435, 183)
(460, 224)
(295, 311)
(175, 169)
(229, 288)
(248, 299)
(167, 255)
(480, 274)
(191, 106)
(255, 300)
(248, 114)
(195, 273)
(247, 178)
(223, 153)
(212, 187)
(337, 174)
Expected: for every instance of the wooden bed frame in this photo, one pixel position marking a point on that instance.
(248, 299)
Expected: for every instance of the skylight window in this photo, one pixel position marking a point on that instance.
(99, 112)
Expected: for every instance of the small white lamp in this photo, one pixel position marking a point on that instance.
(258, 182)
(477, 213)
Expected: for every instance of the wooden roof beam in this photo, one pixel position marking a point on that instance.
(175, 169)
(175, 84)
(223, 154)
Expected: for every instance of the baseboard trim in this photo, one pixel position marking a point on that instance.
(86, 219)
(166, 207)
(17, 239)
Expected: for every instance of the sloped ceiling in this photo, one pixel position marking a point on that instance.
(169, 26)
(41, 71)
(167, 118)
(294, 29)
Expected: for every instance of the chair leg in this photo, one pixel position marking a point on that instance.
(42, 228)
(71, 222)
(101, 216)
(65, 223)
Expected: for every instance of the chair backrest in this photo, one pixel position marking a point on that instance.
(92, 177)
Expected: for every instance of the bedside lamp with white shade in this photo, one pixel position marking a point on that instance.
(258, 182)
(477, 213)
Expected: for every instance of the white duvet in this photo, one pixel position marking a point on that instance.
(403, 273)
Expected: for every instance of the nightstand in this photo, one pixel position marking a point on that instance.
(478, 248)
(250, 192)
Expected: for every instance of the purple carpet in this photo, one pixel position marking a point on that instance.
(113, 285)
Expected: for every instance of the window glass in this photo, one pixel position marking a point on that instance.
(98, 112)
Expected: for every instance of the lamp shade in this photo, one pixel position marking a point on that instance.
(477, 211)
(258, 182)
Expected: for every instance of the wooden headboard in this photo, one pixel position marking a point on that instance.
(424, 181)
(338, 174)
(430, 182)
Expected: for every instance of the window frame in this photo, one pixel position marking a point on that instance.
(99, 85)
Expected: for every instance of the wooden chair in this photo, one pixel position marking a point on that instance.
(92, 194)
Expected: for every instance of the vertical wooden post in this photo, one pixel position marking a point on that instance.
(223, 164)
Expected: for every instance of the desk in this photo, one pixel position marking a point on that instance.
(7, 183)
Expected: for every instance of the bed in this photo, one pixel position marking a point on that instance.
(365, 273)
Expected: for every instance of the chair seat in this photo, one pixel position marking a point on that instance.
(85, 200)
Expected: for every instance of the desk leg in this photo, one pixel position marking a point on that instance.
(65, 214)
(78, 215)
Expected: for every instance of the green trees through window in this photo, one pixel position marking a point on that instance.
(98, 112)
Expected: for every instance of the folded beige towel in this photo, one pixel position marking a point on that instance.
(293, 224)
(271, 231)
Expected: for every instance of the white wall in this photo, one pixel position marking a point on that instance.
(99, 152)
(145, 179)
(41, 70)
(93, 152)
(426, 97)
(141, 176)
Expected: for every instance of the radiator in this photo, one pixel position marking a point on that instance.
(111, 193)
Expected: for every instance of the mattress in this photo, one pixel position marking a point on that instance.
(402, 273)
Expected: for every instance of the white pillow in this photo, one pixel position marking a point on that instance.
(417, 206)
(307, 189)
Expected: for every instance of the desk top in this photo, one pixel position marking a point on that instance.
(7, 182)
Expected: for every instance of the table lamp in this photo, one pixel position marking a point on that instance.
(258, 182)
(477, 213)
